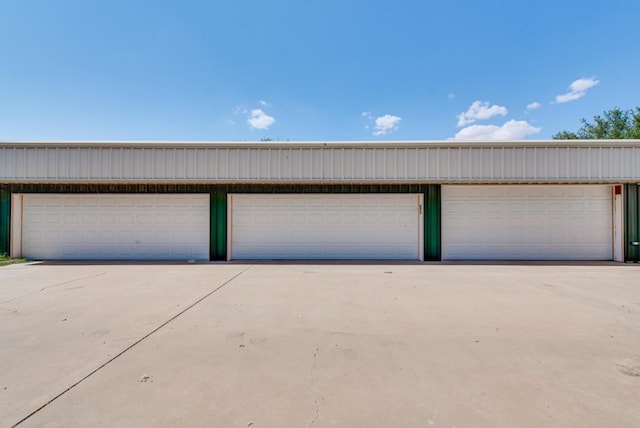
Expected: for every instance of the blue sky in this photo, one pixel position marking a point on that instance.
(312, 69)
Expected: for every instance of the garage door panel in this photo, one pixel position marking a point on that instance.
(116, 226)
(322, 226)
(527, 222)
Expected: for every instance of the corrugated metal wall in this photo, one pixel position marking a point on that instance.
(216, 188)
(632, 222)
(432, 223)
(218, 228)
(332, 162)
(5, 220)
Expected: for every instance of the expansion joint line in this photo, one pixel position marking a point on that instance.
(133, 345)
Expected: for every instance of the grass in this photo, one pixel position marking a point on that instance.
(6, 260)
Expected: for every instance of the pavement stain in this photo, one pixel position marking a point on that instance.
(53, 286)
(99, 332)
(633, 371)
(145, 378)
(258, 340)
(629, 366)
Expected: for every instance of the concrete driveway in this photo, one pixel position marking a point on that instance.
(296, 345)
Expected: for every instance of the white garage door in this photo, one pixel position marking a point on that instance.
(560, 222)
(115, 226)
(326, 226)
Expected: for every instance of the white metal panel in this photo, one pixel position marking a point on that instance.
(16, 226)
(559, 222)
(443, 162)
(115, 226)
(326, 226)
(618, 227)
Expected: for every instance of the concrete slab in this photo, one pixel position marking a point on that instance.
(321, 344)
(58, 323)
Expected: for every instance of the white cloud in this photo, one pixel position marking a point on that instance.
(582, 85)
(386, 124)
(451, 96)
(480, 110)
(533, 106)
(366, 114)
(260, 120)
(511, 130)
(263, 103)
(577, 89)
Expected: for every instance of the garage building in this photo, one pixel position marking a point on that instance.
(522, 200)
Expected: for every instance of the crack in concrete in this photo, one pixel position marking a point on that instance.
(53, 286)
(315, 401)
(128, 348)
(317, 412)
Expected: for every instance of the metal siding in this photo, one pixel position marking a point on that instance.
(218, 228)
(5, 220)
(632, 222)
(395, 162)
(432, 223)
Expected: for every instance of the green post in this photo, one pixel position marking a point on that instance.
(432, 224)
(632, 222)
(218, 226)
(5, 221)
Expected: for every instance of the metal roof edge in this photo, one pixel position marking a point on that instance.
(320, 144)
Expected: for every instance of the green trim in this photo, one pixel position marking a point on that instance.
(5, 221)
(631, 222)
(216, 188)
(218, 227)
(432, 214)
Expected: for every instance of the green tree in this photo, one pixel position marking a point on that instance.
(613, 124)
